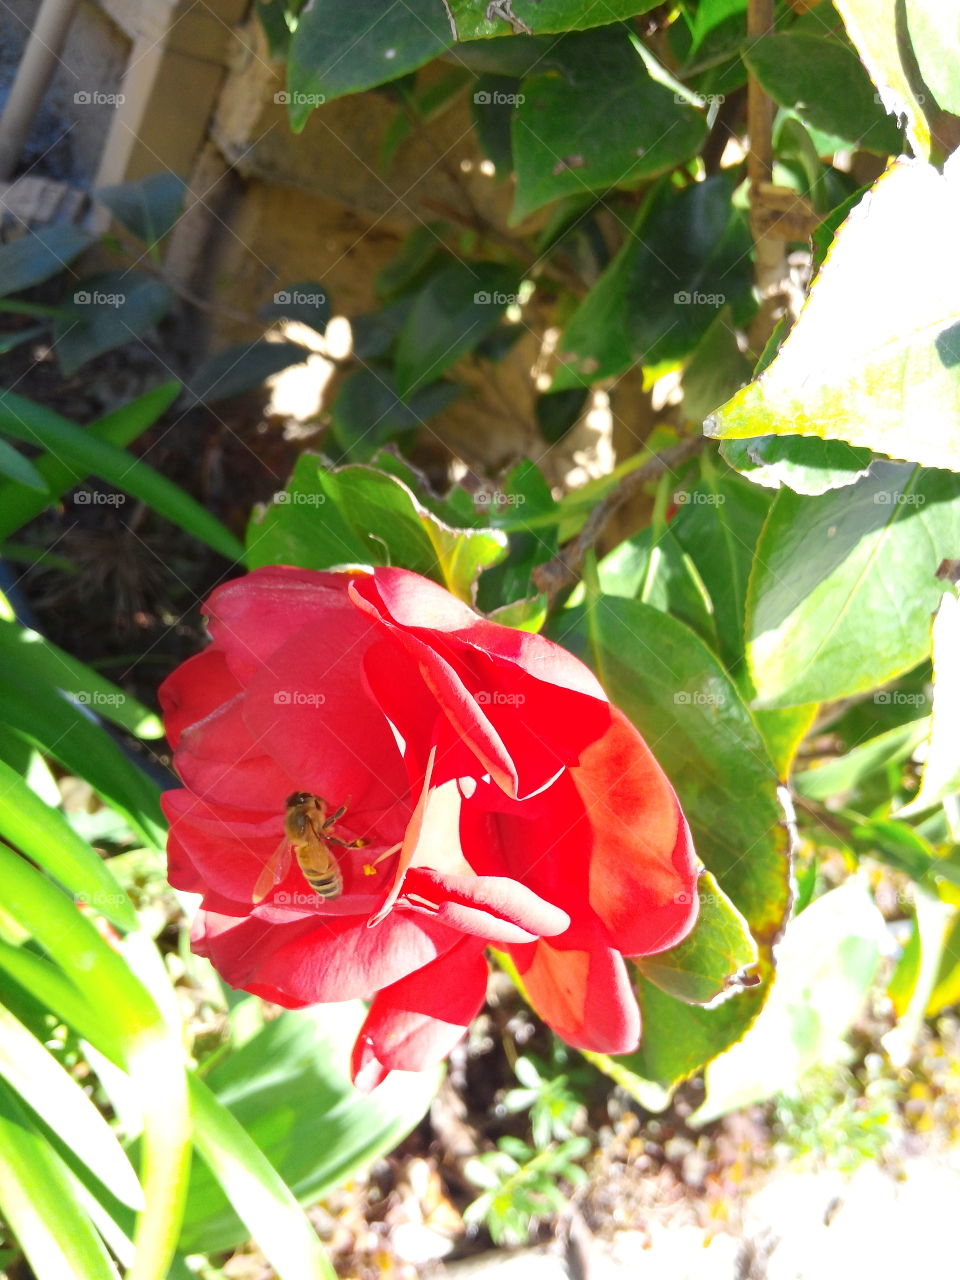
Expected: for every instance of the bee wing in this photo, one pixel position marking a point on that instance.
(274, 870)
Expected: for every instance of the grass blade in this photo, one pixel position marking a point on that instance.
(35, 424)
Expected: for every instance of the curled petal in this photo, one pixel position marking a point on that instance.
(491, 907)
(417, 1021)
(581, 989)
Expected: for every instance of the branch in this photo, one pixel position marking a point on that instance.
(564, 569)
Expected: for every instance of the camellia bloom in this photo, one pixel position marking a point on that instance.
(452, 784)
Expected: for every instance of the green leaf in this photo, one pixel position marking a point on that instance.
(18, 506)
(37, 256)
(31, 652)
(107, 311)
(941, 770)
(688, 257)
(477, 21)
(709, 961)
(804, 464)
(289, 1090)
(38, 1201)
(44, 835)
(148, 207)
(259, 1195)
(19, 469)
(717, 524)
(457, 308)
(934, 29)
(61, 1103)
(337, 50)
(601, 121)
(824, 81)
(59, 728)
(358, 515)
(876, 28)
(844, 585)
(874, 359)
(825, 965)
(79, 449)
(242, 368)
(848, 771)
(369, 411)
(716, 370)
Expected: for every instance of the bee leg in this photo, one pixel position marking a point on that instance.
(335, 817)
(346, 844)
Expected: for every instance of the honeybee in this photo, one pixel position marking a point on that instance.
(307, 835)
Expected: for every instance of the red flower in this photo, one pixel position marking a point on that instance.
(492, 797)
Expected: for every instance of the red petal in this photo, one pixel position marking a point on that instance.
(218, 759)
(417, 1021)
(251, 617)
(582, 992)
(197, 687)
(320, 958)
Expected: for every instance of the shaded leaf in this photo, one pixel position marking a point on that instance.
(149, 207)
(37, 256)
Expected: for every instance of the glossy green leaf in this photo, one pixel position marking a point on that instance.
(61, 729)
(79, 449)
(38, 255)
(874, 359)
(688, 259)
(457, 308)
(848, 771)
(805, 464)
(934, 30)
(369, 411)
(358, 515)
(18, 506)
(45, 836)
(107, 311)
(337, 50)
(825, 83)
(31, 652)
(710, 960)
(825, 965)
(289, 1089)
(477, 21)
(40, 1204)
(941, 770)
(19, 469)
(876, 29)
(149, 207)
(601, 121)
(783, 731)
(55, 1096)
(717, 524)
(260, 1197)
(844, 585)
